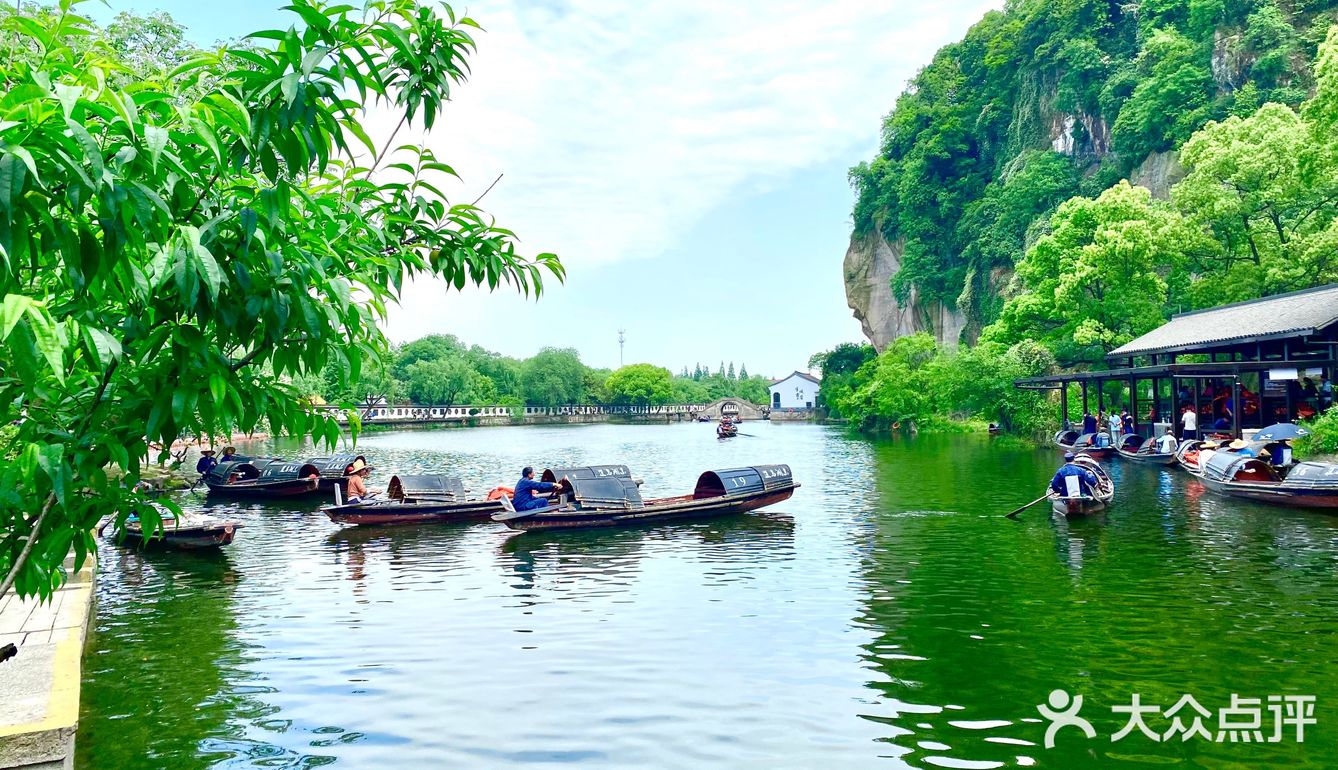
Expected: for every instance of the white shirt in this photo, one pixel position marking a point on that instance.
(1190, 420)
(1114, 423)
(1166, 444)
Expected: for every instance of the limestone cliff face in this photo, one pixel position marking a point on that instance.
(1158, 173)
(870, 264)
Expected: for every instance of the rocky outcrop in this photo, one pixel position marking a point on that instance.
(1158, 173)
(1079, 135)
(870, 264)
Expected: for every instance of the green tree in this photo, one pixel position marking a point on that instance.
(430, 348)
(174, 252)
(642, 384)
(445, 382)
(555, 376)
(1106, 273)
(1171, 99)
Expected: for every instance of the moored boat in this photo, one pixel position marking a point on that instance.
(335, 470)
(189, 532)
(1136, 448)
(263, 478)
(1306, 485)
(428, 498)
(1079, 503)
(612, 501)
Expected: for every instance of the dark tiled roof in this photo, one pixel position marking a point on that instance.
(1284, 315)
(804, 375)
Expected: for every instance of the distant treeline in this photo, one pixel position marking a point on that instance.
(440, 369)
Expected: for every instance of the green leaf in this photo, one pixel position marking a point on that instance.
(218, 388)
(11, 310)
(103, 344)
(155, 139)
(68, 96)
(48, 339)
(13, 173)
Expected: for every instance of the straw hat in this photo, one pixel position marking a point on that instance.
(1239, 443)
(208, 452)
(227, 450)
(1209, 445)
(358, 466)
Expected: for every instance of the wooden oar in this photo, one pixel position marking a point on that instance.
(1014, 514)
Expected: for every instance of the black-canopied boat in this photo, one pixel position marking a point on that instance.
(611, 501)
(427, 498)
(335, 470)
(1136, 448)
(189, 532)
(1079, 503)
(1306, 485)
(270, 477)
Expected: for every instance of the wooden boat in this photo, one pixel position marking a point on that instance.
(335, 470)
(994, 429)
(429, 498)
(1306, 485)
(1134, 447)
(616, 501)
(1085, 504)
(1097, 445)
(190, 532)
(263, 478)
(726, 430)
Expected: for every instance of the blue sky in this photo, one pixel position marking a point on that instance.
(686, 159)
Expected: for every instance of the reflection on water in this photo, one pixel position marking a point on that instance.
(887, 614)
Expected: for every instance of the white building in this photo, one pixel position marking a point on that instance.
(798, 391)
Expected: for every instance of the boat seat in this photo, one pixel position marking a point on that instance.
(507, 505)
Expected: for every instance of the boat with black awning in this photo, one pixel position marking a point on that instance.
(336, 469)
(1084, 502)
(271, 477)
(1135, 447)
(417, 499)
(187, 532)
(1306, 485)
(611, 501)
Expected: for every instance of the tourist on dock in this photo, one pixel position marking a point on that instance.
(1086, 479)
(1189, 422)
(1126, 421)
(1115, 425)
(524, 499)
(1166, 443)
(1088, 423)
(1325, 393)
(207, 462)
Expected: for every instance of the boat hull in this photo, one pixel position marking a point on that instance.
(361, 515)
(654, 511)
(1273, 494)
(1149, 459)
(193, 539)
(284, 488)
(1076, 507)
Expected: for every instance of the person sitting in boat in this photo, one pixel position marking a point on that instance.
(1166, 443)
(229, 454)
(207, 462)
(357, 482)
(524, 499)
(1086, 479)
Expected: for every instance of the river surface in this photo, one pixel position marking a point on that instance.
(885, 616)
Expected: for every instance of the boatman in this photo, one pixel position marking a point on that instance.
(1086, 479)
(357, 482)
(207, 462)
(1167, 444)
(524, 499)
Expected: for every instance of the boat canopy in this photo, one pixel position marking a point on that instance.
(428, 485)
(1132, 442)
(612, 491)
(554, 475)
(336, 465)
(737, 481)
(245, 470)
(1312, 476)
(1066, 437)
(1092, 441)
(1231, 467)
(283, 470)
(1148, 447)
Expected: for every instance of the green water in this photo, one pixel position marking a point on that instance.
(886, 615)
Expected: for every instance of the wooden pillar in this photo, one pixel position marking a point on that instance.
(1133, 401)
(1195, 407)
(1235, 406)
(1085, 407)
(1100, 397)
(1156, 404)
(1064, 405)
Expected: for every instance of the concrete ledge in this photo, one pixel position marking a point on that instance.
(39, 687)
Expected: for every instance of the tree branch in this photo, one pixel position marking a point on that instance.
(28, 547)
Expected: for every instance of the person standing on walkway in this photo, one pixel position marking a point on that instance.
(1189, 422)
(1115, 425)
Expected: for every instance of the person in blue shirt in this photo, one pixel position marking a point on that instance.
(1086, 479)
(1088, 423)
(206, 463)
(524, 499)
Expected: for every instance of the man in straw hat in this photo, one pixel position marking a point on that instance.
(357, 481)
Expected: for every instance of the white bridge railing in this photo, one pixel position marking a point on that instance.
(421, 413)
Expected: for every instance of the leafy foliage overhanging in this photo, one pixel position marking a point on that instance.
(177, 244)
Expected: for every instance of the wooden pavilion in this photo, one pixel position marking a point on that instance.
(1239, 366)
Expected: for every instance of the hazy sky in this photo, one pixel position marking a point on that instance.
(687, 160)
